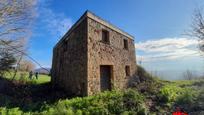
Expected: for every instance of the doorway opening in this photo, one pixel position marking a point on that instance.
(105, 77)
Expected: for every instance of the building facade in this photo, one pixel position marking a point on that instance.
(93, 56)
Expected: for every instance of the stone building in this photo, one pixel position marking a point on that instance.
(93, 56)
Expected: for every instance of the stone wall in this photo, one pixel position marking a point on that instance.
(69, 66)
(80, 53)
(113, 54)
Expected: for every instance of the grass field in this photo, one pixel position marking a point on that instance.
(25, 76)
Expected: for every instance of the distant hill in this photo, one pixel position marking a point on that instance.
(43, 70)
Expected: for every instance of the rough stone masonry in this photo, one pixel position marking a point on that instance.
(93, 56)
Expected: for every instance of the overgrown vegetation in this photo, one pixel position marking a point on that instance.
(184, 94)
(114, 102)
(146, 96)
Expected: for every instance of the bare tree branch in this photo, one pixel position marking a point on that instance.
(198, 28)
(16, 17)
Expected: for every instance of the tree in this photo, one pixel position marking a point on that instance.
(26, 65)
(198, 28)
(188, 75)
(6, 61)
(15, 21)
(15, 17)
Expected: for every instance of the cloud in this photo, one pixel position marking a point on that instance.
(56, 23)
(167, 49)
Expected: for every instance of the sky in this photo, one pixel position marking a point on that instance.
(159, 28)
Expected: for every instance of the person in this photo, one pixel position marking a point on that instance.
(30, 74)
(36, 75)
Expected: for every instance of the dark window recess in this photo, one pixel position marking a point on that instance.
(127, 70)
(65, 45)
(125, 44)
(105, 36)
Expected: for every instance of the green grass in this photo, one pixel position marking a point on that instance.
(41, 78)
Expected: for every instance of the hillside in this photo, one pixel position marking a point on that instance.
(149, 96)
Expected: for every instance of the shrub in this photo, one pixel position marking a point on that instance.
(169, 93)
(110, 102)
(173, 94)
(134, 102)
(23, 79)
(13, 111)
(186, 98)
(114, 102)
(143, 74)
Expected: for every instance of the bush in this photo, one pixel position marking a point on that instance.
(143, 74)
(173, 94)
(114, 102)
(169, 93)
(110, 102)
(186, 98)
(13, 111)
(134, 102)
(23, 79)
